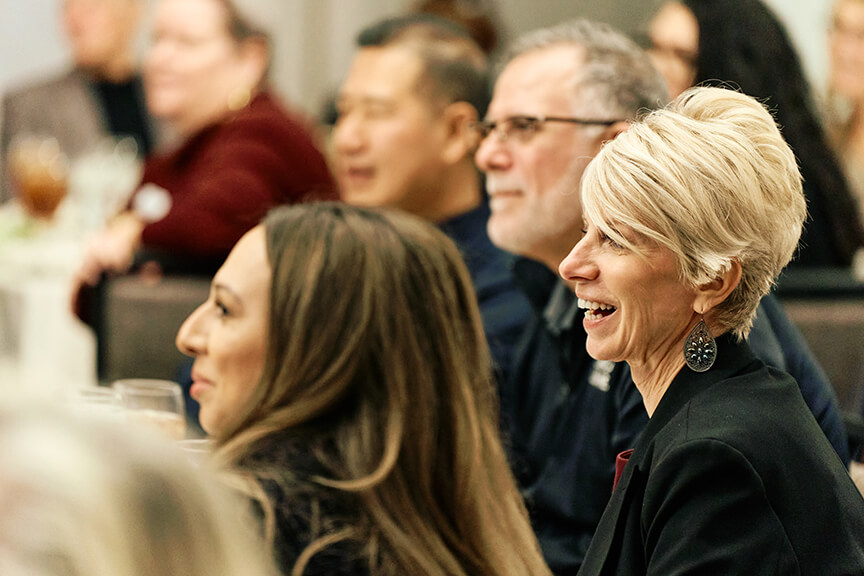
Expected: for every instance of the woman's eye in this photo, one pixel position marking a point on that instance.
(221, 309)
(610, 242)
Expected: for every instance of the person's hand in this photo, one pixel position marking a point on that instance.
(112, 250)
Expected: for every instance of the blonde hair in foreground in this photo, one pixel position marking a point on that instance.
(710, 178)
(85, 498)
(375, 332)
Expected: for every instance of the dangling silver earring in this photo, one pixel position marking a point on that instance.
(700, 348)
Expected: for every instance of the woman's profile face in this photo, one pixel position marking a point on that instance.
(193, 64)
(638, 310)
(227, 335)
(674, 35)
(847, 49)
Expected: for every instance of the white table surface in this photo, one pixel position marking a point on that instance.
(43, 346)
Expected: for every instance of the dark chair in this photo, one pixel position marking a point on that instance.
(827, 305)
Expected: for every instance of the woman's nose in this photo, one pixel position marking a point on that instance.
(578, 265)
(191, 338)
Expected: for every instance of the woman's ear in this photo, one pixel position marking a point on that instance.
(712, 293)
(460, 136)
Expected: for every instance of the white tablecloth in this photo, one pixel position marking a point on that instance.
(43, 347)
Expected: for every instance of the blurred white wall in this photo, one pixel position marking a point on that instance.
(315, 37)
(30, 42)
(807, 22)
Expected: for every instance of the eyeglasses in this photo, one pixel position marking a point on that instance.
(524, 127)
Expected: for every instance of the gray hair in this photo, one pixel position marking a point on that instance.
(617, 77)
(711, 179)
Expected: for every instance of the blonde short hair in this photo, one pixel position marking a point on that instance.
(711, 178)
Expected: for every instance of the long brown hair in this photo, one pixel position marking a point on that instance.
(374, 327)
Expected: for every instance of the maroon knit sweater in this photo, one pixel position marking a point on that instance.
(225, 178)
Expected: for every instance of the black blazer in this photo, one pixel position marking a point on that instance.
(732, 475)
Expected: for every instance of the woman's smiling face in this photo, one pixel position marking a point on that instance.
(638, 309)
(227, 335)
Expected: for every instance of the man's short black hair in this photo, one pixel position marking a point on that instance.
(455, 69)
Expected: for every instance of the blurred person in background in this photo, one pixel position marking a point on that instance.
(741, 43)
(88, 498)
(561, 94)
(343, 373)
(241, 151)
(478, 18)
(404, 138)
(102, 95)
(846, 91)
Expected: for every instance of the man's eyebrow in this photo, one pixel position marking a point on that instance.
(365, 99)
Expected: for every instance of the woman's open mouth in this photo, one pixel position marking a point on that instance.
(596, 310)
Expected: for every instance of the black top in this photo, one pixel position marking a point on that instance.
(304, 510)
(566, 416)
(125, 111)
(504, 309)
(732, 475)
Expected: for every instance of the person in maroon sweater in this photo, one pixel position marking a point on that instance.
(240, 153)
(224, 179)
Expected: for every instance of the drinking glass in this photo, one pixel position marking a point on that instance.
(154, 403)
(95, 402)
(102, 180)
(39, 171)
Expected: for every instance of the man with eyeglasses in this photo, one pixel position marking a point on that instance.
(560, 94)
(404, 138)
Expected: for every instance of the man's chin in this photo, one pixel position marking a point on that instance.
(502, 237)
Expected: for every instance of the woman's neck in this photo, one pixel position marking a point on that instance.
(654, 376)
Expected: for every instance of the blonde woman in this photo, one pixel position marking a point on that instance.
(732, 474)
(341, 367)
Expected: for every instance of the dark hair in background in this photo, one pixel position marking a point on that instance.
(741, 42)
(455, 67)
(476, 16)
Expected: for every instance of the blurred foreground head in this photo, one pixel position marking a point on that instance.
(86, 498)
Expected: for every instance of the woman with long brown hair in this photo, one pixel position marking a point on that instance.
(341, 367)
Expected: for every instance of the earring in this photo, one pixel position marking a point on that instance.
(239, 98)
(700, 348)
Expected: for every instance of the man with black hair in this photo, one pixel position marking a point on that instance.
(404, 137)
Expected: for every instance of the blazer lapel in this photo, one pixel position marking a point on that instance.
(611, 525)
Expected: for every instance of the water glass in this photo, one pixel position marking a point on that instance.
(154, 403)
